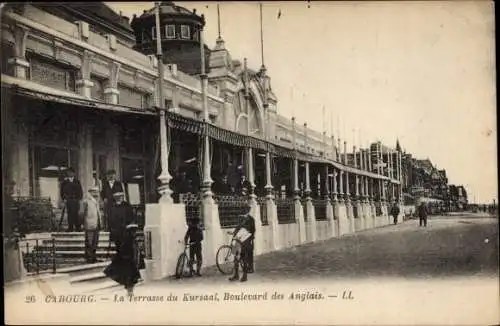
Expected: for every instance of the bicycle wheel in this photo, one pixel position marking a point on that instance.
(225, 260)
(182, 267)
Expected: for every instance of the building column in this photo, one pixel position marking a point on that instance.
(335, 203)
(111, 92)
(113, 145)
(20, 66)
(329, 207)
(85, 151)
(255, 207)
(298, 209)
(272, 212)
(83, 83)
(18, 149)
(311, 218)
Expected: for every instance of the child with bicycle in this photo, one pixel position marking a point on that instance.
(194, 235)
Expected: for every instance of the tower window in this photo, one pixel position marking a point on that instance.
(170, 30)
(195, 34)
(153, 32)
(185, 32)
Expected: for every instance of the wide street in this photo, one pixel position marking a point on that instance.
(449, 246)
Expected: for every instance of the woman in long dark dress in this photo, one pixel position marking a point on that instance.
(124, 268)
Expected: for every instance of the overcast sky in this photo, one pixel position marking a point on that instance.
(423, 72)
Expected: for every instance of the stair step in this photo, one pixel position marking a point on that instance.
(75, 246)
(99, 253)
(103, 285)
(84, 267)
(73, 234)
(87, 277)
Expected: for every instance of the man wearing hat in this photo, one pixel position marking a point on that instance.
(72, 194)
(110, 186)
(244, 233)
(124, 268)
(121, 215)
(91, 223)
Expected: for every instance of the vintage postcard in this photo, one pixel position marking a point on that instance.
(249, 163)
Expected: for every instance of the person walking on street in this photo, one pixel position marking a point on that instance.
(110, 186)
(244, 233)
(422, 214)
(194, 235)
(72, 194)
(395, 212)
(91, 224)
(124, 268)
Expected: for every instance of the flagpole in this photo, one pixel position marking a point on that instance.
(218, 20)
(261, 38)
(164, 177)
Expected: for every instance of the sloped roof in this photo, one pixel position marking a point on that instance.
(168, 7)
(102, 11)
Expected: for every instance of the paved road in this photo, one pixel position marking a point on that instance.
(449, 246)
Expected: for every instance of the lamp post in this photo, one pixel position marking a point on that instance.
(164, 177)
(207, 180)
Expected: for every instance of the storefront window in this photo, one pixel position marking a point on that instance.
(51, 74)
(51, 164)
(132, 98)
(134, 178)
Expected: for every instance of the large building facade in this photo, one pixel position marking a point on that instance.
(77, 93)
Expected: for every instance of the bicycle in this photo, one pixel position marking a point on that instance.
(226, 254)
(183, 267)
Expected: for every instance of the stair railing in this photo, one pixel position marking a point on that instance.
(39, 255)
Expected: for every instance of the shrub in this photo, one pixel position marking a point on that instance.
(33, 215)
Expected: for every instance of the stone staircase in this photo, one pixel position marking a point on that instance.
(69, 248)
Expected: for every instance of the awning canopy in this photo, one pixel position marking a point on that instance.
(26, 89)
(30, 89)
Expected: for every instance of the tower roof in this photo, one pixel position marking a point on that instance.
(168, 8)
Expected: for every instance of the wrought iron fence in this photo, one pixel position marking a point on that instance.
(192, 206)
(355, 212)
(378, 208)
(39, 255)
(230, 209)
(286, 210)
(320, 209)
(263, 210)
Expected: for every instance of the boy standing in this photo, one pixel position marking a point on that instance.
(194, 235)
